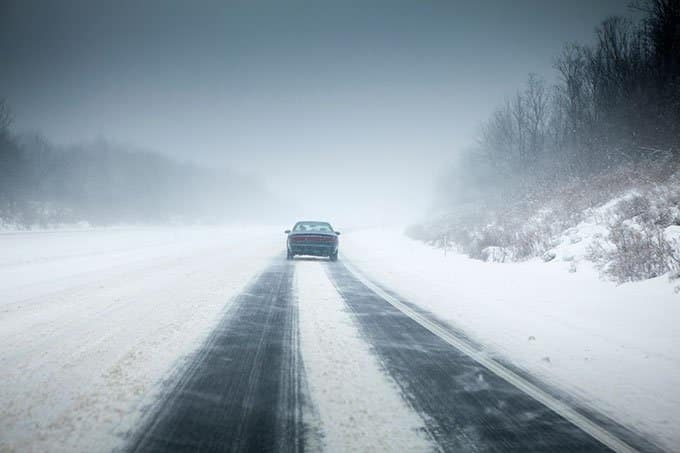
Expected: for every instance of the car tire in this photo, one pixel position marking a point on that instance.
(333, 257)
(289, 255)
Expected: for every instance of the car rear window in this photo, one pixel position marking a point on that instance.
(313, 227)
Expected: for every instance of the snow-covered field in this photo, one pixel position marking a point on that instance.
(614, 348)
(91, 321)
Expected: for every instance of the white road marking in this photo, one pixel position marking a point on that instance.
(585, 424)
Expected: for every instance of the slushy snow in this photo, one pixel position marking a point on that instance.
(359, 406)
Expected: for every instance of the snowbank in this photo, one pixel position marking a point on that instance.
(625, 218)
(614, 348)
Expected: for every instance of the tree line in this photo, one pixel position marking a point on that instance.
(103, 183)
(616, 102)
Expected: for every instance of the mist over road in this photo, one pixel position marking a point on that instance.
(504, 177)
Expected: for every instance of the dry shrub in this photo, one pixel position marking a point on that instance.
(638, 253)
(635, 248)
(635, 206)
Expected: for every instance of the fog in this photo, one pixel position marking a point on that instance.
(339, 225)
(348, 111)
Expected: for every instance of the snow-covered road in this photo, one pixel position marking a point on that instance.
(92, 322)
(309, 357)
(207, 339)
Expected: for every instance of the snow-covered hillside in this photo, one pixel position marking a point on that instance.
(611, 347)
(626, 221)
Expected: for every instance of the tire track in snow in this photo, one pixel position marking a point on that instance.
(242, 390)
(467, 407)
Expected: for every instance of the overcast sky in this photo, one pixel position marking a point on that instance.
(344, 107)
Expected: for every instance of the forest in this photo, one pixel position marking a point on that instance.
(103, 183)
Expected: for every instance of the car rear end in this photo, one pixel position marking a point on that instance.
(314, 244)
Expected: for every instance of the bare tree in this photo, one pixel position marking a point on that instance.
(5, 116)
(536, 105)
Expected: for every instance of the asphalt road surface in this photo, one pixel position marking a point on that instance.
(241, 391)
(245, 389)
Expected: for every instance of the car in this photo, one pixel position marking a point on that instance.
(311, 237)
